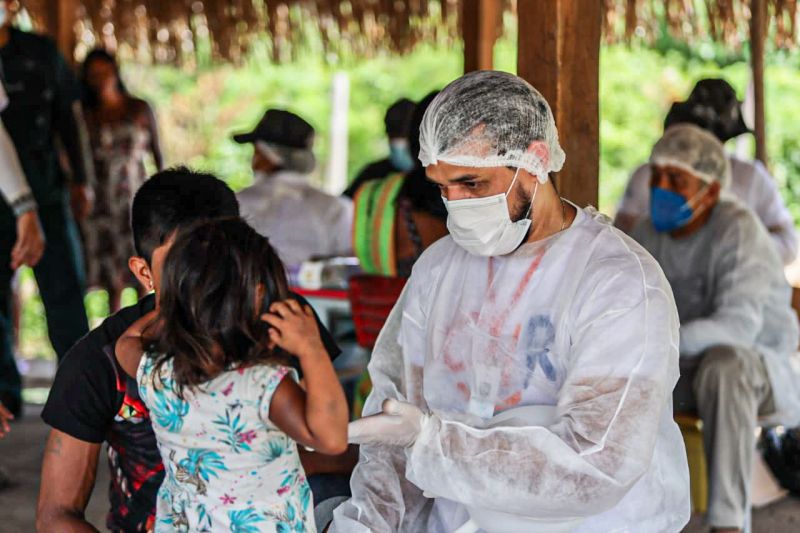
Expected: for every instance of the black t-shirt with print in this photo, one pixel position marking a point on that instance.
(93, 400)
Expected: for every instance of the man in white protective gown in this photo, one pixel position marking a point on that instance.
(739, 333)
(713, 106)
(523, 382)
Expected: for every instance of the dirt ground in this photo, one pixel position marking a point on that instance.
(21, 457)
(21, 453)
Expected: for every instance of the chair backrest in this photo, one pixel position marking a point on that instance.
(375, 211)
(371, 301)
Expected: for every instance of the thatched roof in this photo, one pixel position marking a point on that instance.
(178, 30)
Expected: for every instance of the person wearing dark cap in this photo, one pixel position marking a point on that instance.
(712, 105)
(300, 220)
(398, 124)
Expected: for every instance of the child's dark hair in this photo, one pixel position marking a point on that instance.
(209, 303)
(173, 199)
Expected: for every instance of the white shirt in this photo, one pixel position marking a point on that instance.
(751, 184)
(300, 221)
(581, 330)
(13, 184)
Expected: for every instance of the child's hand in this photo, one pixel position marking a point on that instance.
(5, 416)
(294, 328)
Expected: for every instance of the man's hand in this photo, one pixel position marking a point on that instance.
(82, 200)
(5, 416)
(398, 425)
(29, 247)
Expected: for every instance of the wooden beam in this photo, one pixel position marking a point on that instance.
(61, 25)
(758, 31)
(559, 54)
(480, 21)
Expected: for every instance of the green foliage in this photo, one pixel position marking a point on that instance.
(199, 111)
(637, 87)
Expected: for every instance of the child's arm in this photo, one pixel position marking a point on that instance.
(316, 418)
(130, 345)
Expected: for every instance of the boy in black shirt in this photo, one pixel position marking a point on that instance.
(93, 400)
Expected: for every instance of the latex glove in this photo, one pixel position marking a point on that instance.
(29, 247)
(398, 425)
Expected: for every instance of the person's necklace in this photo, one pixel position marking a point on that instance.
(563, 214)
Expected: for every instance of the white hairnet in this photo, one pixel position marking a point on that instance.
(489, 119)
(694, 150)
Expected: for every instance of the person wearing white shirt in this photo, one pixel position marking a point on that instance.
(712, 105)
(29, 245)
(301, 221)
(16, 192)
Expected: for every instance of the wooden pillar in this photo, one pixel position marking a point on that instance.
(480, 20)
(758, 30)
(61, 25)
(559, 54)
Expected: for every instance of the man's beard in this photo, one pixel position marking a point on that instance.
(521, 205)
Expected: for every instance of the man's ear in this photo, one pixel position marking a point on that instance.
(713, 193)
(540, 150)
(141, 270)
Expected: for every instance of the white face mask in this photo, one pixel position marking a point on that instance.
(483, 226)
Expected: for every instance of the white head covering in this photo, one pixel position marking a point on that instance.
(489, 119)
(694, 150)
(296, 159)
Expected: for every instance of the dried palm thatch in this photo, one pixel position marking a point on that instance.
(181, 30)
(724, 21)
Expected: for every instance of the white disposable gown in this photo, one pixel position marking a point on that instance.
(301, 221)
(13, 184)
(730, 290)
(751, 184)
(583, 325)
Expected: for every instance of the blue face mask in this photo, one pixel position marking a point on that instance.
(669, 210)
(400, 156)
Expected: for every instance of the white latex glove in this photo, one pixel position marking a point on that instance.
(398, 425)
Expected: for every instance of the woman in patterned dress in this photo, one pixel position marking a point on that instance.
(122, 131)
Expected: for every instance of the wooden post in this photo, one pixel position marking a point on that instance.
(758, 30)
(480, 20)
(61, 25)
(559, 54)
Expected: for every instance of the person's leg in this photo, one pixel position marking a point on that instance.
(16, 309)
(730, 385)
(61, 280)
(10, 382)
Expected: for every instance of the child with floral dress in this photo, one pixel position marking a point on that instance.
(212, 366)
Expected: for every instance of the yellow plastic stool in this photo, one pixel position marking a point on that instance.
(692, 431)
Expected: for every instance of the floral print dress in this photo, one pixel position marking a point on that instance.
(228, 468)
(119, 151)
